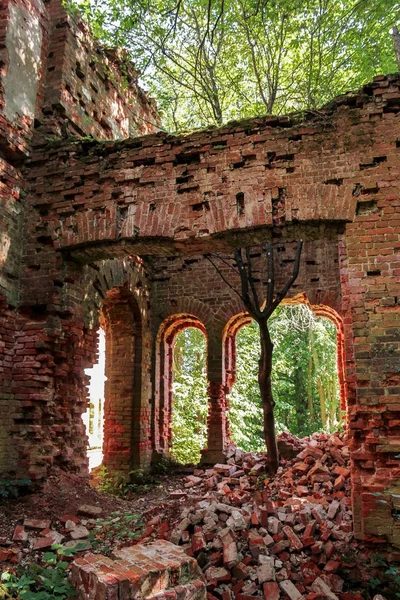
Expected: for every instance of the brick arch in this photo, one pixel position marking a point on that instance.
(167, 333)
(322, 310)
(122, 322)
(239, 320)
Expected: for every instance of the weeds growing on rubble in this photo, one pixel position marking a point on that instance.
(387, 577)
(120, 528)
(122, 484)
(11, 488)
(47, 581)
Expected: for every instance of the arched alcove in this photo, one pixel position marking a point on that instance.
(310, 379)
(167, 333)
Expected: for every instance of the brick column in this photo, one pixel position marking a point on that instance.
(216, 424)
(216, 420)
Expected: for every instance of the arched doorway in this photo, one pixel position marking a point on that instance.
(307, 376)
(167, 334)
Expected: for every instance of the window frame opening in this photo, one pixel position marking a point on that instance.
(232, 329)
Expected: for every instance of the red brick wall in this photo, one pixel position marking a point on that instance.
(332, 180)
(43, 88)
(85, 93)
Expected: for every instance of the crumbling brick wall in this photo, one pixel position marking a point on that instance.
(54, 80)
(94, 207)
(331, 181)
(90, 90)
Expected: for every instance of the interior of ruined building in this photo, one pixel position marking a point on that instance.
(106, 221)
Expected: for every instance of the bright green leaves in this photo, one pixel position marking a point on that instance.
(190, 402)
(210, 61)
(304, 368)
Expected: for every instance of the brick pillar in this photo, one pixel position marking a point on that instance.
(216, 420)
(122, 444)
(216, 424)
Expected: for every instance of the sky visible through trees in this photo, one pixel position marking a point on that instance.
(305, 383)
(210, 61)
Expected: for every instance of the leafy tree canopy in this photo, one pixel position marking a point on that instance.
(190, 401)
(210, 61)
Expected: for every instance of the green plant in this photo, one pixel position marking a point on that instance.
(119, 529)
(10, 488)
(45, 581)
(386, 577)
(190, 401)
(121, 484)
(164, 466)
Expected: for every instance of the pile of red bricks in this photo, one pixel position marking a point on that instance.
(287, 537)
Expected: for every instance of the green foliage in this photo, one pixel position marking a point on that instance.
(11, 488)
(121, 527)
(290, 329)
(207, 62)
(386, 580)
(190, 402)
(45, 581)
(165, 466)
(122, 484)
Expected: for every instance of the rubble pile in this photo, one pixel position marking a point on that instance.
(253, 536)
(285, 537)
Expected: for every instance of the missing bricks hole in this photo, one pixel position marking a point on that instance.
(152, 207)
(219, 144)
(366, 208)
(397, 143)
(192, 188)
(314, 279)
(337, 182)
(189, 158)
(46, 240)
(295, 138)
(79, 72)
(240, 203)
(374, 273)
(237, 165)
(311, 262)
(281, 249)
(290, 170)
(375, 161)
(145, 162)
(200, 206)
(184, 179)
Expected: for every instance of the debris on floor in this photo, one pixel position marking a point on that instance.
(252, 536)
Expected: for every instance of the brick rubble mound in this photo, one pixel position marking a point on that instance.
(290, 536)
(281, 538)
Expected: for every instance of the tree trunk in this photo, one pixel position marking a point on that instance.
(265, 384)
(396, 41)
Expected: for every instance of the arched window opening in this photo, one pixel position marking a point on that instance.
(305, 376)
(94, 416)
(189, 395)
